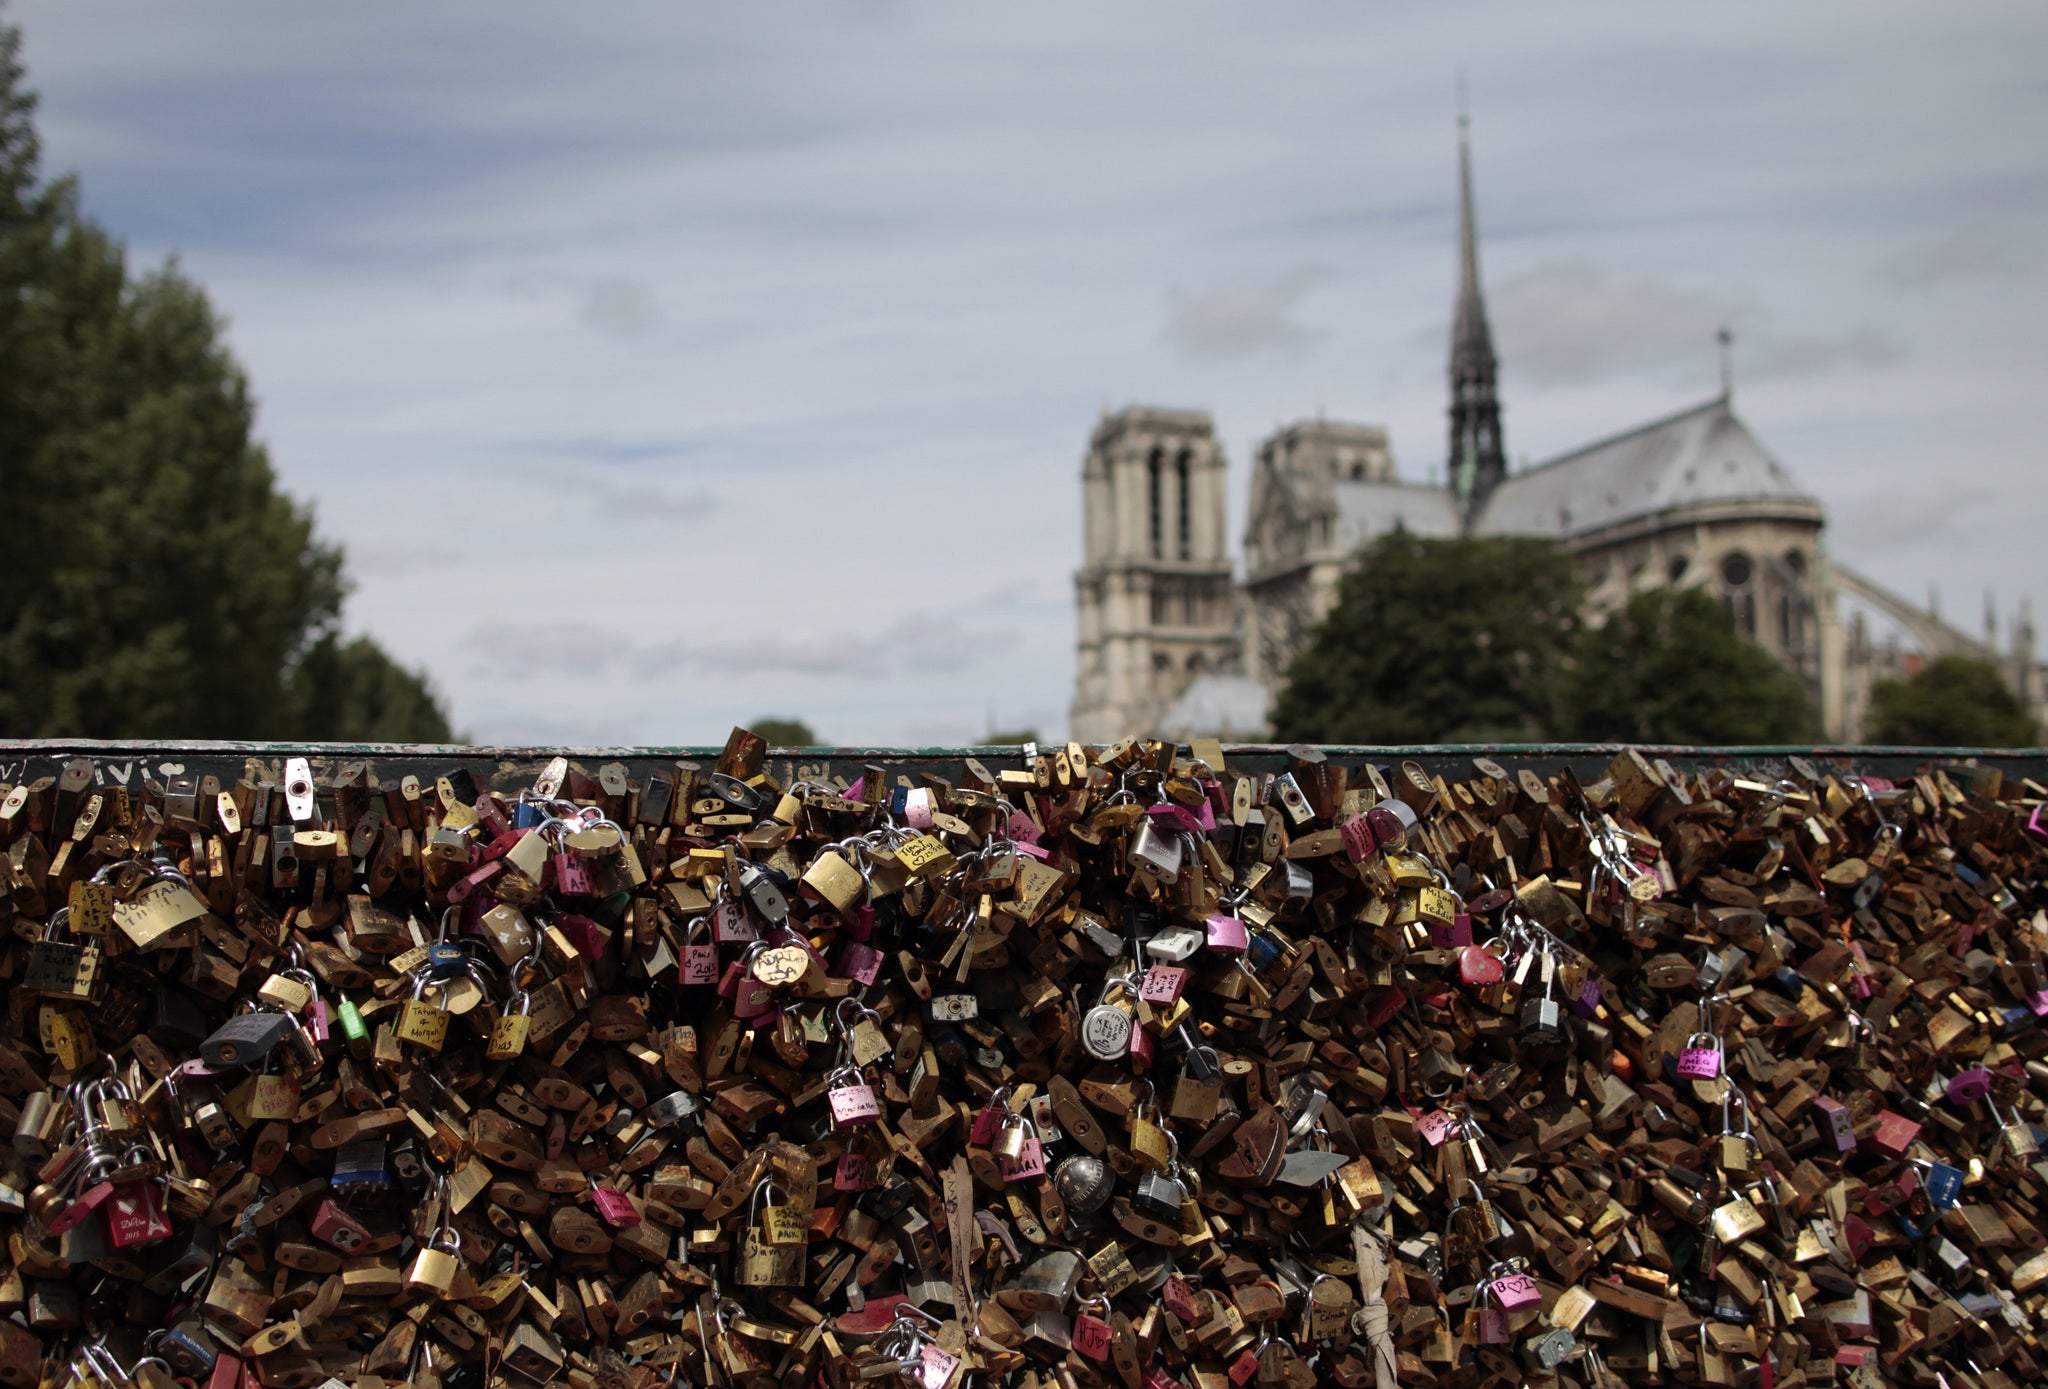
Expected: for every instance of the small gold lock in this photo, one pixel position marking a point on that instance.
(422, 1023)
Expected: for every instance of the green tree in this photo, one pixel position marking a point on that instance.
(1436, 641)
(351, 692)
(159, 585)
(1670, 667)
(1953, 701)
(785, 733)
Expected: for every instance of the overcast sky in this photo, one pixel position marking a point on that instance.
(661, 366)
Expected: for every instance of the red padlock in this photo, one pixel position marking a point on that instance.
(136, 1215)
(337, 1227)
(1895, 1133)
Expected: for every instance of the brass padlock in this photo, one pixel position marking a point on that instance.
(420, 1022)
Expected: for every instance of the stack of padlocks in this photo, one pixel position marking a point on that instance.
(1109, 1067)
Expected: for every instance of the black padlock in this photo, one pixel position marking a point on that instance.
(1159, 1195)
(245, 1040)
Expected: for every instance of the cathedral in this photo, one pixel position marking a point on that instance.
(1173, 640)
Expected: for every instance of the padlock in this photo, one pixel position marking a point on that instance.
(434, 1267)
(1091, 1331)
(698, 963)
(1161, 1194)
(1156, 854)
(245, 1040)
(1225, 934)
(1737, 1148)
(1106, 1028)
(1029, 1160)
(510, 1028)
(420, 1022)
(1700, 1059)
(60, 967)
(1542, 1018)
(851, 1098)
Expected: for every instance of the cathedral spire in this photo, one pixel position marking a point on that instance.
(1477, 462)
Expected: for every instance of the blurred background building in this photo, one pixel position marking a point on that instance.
(1172, 639)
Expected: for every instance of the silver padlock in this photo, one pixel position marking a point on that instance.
(1156, 855)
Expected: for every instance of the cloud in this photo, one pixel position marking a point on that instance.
(1574, 324)
(620, 308)
(1246, 319)
(1973, 252)
(614, 494)
(920, 643)
(556, 647)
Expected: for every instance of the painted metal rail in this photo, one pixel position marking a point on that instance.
(132, 762)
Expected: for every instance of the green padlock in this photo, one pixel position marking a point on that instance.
(353, 1028)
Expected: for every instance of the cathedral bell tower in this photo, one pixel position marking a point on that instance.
(1478, 462)
(1154, 594)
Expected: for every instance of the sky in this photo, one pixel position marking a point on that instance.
(662, 367)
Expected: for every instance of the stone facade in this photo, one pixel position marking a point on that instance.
(1170, 644)
(1155, 598)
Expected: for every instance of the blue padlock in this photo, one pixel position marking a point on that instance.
(1944, 1186)
(445, 961)
(1261, 952)
(527, 816)
(1786, 981)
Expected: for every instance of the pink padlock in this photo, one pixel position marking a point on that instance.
(917, 808)
(1516, 1290)
(853, 1100)
(571, 878)
(1163, 984)
(1359, 844)
(1091, 1336)
(1701, 1058)
(853, 1172)
(730, 925)
(1027, 1164)
(860, 963)
(1435, 1127)
(989, 1122)
(1227, 936)
(699, 964)
(616, 1210)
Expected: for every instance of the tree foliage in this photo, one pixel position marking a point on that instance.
(159, 584)
(1480, 640)
(1953, 701)
(785, 733)
(1436, 641)
(1670, 667)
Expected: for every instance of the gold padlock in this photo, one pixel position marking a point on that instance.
(420, 1022)
(509, 1031)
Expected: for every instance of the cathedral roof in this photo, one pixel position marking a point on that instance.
(1368, 510)
(1699, 456)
